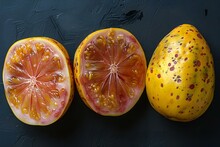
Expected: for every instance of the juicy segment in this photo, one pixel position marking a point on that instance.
(37, 81)
(111, 66)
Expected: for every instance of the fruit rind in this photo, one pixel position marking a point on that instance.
(180, 77)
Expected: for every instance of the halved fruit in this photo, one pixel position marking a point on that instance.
(38, 80)
(109, 70)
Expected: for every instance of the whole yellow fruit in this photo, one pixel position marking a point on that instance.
(180, 77)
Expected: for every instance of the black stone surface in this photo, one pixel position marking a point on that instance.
(69, 22)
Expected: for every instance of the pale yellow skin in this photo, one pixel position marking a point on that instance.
(180, 77)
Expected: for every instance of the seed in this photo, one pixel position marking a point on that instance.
(131, 48)
(88, 65)
(135, 71)
(14, 80)
(45, 58)
(19, 51)
(53, 105)
(134, 83)
(24, 110)
(39, 47)
(25, 105)
(133, 59)
(46, 55)
(55, 93)
(26, 48)
(131, 93)
(96, 89)
(90, 75)
(56, 60)
(86, 52)
(120, 39)
(111, 40)
(46, 98)
(15, 59)
(111, 33)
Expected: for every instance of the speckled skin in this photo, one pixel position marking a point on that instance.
(180, 77)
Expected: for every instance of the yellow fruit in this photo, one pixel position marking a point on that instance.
(110, 71)
(38, 80)
(180, 77)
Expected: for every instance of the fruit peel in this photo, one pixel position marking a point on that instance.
(180, 78)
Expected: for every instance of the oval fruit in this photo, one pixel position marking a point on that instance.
(38, 80)
(180, 77)
(110, 71)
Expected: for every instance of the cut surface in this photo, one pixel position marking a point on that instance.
(37, 80)
(110, 68)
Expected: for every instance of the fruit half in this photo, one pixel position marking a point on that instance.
(38, 80)
(110, 69)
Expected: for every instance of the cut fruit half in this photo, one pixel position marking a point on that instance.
(109, 70)
(38, 80)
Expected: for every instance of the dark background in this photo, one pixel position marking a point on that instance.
(69, 22)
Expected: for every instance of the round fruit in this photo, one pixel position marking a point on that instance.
(110, 70)
(180, 77)
(38, 80)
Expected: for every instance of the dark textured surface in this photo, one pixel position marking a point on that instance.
(69, 22)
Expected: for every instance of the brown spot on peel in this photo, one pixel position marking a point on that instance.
(202, 89)
(199, 36)
(189, 97)
(196, 63)
(151, 70)
(169, 64)
(191, 86)
(177, 97)
(159, 75)
(172, 68)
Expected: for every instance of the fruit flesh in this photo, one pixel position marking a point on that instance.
(180, 78)
(110, 69)
(37, 80)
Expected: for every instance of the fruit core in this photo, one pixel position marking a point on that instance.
(33, 81)
(113, 68)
